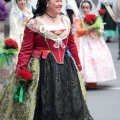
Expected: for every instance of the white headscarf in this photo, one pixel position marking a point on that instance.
(92, 11)
(34, 3)
(16, 21)
(63, 9)
(71, 4)
(15, 7)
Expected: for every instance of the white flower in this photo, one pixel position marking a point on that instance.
(43, 29)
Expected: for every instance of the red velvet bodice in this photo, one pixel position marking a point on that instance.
(34, 43)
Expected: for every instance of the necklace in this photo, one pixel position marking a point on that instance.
(53, 18)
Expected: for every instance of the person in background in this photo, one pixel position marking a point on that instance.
(20, 13)
(6, 23)
(63, 9)
(110, 28)
(78, 2)
(96, 59)
(72, 9)
(55, 91)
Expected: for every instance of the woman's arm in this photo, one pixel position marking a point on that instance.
(73, 50)
(26, 49)
(78, 27)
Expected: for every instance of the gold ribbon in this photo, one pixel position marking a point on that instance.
(110, 12)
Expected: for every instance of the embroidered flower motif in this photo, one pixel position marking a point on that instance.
(58, 44)
(43, 29)
(58, 32)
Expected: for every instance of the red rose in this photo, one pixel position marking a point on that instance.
(93, 17)
(15, 45)
(86, 19)
(90, 19)
(101, 12)
(24, 74)
(11, 44)
(8, 43)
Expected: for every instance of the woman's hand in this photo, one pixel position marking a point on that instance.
(92, 33)
(92, 30)
(101, 30)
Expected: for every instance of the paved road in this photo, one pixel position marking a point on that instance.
(104, 102)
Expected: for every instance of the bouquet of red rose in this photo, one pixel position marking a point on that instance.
(24, 77)
(92, 21)
(101, 12)
(7, 50)
(10, 44)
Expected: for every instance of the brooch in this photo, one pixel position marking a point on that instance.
(57, 32)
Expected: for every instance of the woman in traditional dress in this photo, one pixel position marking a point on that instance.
(55, 92)
(96, 59)
(20, 13)
(72, 9)
(110, 28)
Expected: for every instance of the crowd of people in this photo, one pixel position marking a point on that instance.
(62, 52)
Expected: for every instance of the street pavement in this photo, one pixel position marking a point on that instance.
(104, 102)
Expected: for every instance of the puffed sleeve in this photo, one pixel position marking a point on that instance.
(73, 50)
(26, 49)
(78, 26)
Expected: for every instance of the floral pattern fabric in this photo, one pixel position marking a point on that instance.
(13, 110)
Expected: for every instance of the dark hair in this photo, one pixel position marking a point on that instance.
(40, 8)
(86, 1)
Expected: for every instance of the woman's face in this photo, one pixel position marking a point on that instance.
(85, 8)
(21, 3)
(54, 6)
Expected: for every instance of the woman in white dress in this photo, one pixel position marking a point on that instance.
(20, 13)
(95, 56)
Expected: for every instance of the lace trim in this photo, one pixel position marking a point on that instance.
(38, 26)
